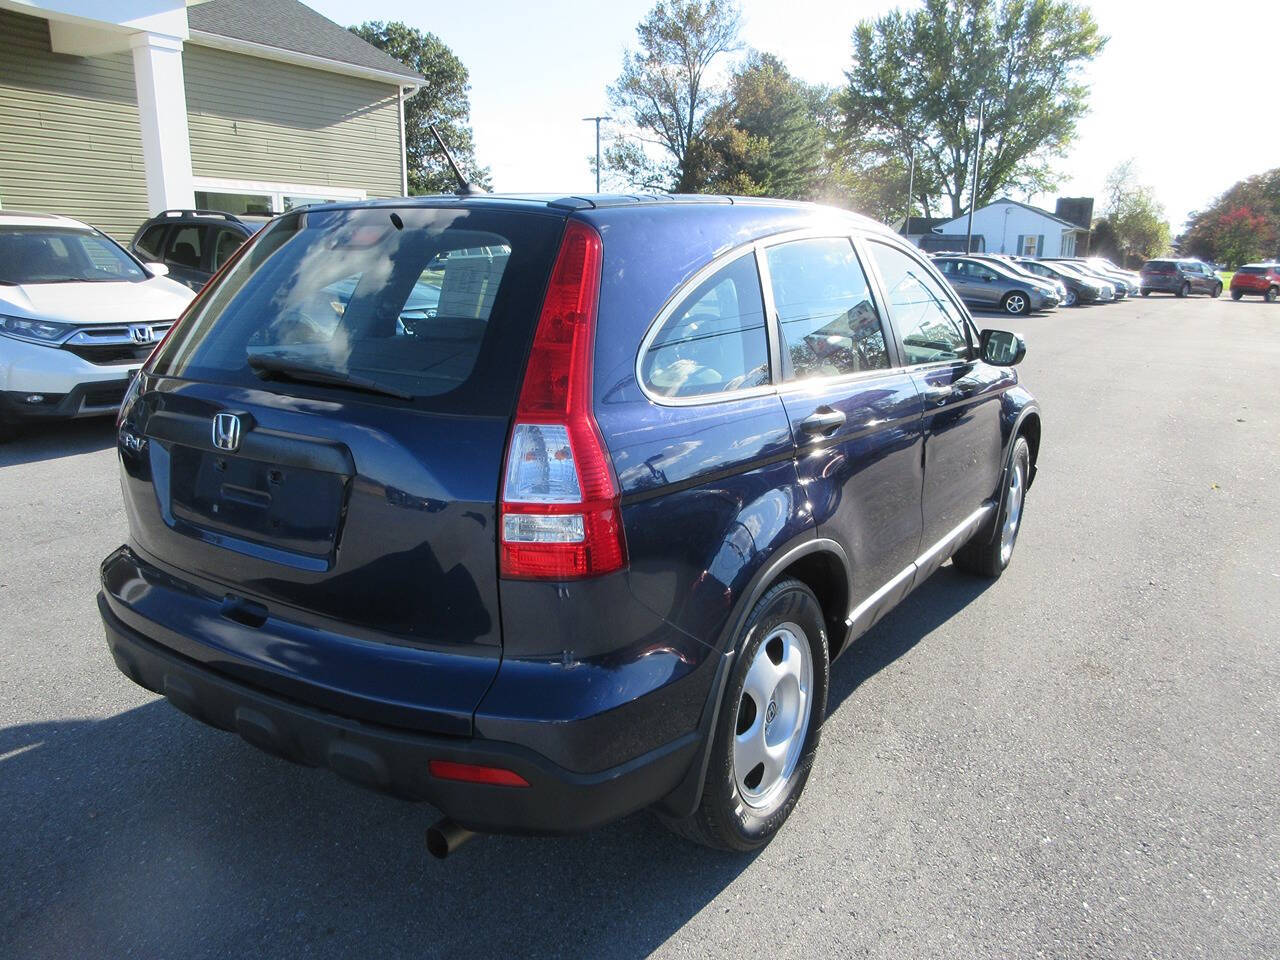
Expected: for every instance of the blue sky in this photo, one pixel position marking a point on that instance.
(1164, 92)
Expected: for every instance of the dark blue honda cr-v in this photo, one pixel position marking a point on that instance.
(580, 536)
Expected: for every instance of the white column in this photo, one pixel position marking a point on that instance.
(162, 114)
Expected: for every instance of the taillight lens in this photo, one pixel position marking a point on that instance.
(561, 518)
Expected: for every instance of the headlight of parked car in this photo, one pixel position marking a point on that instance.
(34, 331)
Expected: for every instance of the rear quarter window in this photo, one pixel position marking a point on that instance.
(714, 341)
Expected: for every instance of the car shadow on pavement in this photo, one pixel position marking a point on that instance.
(925, 609)
(150, 834)
(56, 439)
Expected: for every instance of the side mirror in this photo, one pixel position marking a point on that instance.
(157, 269)
(1000, 348)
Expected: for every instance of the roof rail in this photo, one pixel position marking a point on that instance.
(199, 213)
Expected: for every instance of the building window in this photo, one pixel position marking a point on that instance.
(258, 199)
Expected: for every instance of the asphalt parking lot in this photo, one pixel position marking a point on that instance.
(1081, 759)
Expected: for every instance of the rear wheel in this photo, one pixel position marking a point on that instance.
(769, 724)
(990, 550)
(1236, 294)
(1073, 299)
(1146, 292)
(1185, 289)
(1272, 294)
(1217, 291)
(1016, 303)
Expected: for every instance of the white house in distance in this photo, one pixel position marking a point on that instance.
(1008, 226)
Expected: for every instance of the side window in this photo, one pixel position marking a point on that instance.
(227, 243)
(151, 242)
(931, 328)
(826, 317)
(714, 340)
(185, 247)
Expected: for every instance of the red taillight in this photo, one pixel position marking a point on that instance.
(475, 773)
(560, 509)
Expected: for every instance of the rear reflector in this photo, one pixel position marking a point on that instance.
(475, 773)
(561, 517)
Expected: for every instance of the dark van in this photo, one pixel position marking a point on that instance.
(550, 511)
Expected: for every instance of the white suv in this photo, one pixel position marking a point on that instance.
(78, 315)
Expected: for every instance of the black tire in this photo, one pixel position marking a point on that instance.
(1185, 289)
(984, 555)
(1008, 301)
(1272, 294)
(1236, 294)
(1146, 293)
(1217, 291)
(1073, 299)
(725, 819)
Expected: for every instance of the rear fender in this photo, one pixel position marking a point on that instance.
(684, 800)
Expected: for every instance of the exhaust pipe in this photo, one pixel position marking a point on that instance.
(445, 837)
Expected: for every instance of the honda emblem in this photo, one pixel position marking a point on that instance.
(226, 432)
(141, 334)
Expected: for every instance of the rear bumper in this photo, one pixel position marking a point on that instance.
(1161, 284)
(395, 761)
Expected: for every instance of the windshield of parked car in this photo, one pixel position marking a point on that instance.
(62, 255)
(411, 302)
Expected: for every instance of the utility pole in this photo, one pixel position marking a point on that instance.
(973, 192)
(597, 122)
(911, 183)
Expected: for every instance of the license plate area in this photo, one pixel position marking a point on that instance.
(285, 507)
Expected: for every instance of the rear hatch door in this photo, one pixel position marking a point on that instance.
(323, 446)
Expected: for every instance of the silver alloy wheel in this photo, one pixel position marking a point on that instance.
(1013, 513)
(1015, 303)
(773, 717)
(1072, 297)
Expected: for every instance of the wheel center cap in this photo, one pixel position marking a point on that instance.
(771, 712)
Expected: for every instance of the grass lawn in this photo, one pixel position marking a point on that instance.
(1225, 276)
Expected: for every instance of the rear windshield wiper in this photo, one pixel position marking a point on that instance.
(268, 366)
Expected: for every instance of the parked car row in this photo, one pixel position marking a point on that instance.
(1021, 285)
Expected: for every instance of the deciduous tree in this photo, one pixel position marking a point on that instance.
(663, 94)
(443, 100)
(919, 76)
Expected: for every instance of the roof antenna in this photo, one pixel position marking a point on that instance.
(465, 187)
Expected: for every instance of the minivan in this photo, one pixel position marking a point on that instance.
(581, 537)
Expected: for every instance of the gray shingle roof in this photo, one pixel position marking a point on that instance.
(291, 25)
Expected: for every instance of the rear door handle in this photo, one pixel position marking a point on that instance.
(824, 421)
(938, 395)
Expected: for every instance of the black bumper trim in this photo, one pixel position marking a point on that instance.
(395, 761)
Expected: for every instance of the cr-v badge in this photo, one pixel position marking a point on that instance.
(226, 432)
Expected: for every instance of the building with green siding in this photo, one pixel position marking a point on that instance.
(249, 106)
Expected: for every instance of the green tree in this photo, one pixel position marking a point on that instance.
(918, 78)
(1133, 225)
(443, 100)
(1242, 236)
(663, 94)
(1208, 229)
(765, 137)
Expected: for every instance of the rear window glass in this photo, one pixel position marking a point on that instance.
(1158, 266)
(1254, 270)
(436, 305)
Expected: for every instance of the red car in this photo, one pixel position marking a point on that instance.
(1257, 279)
